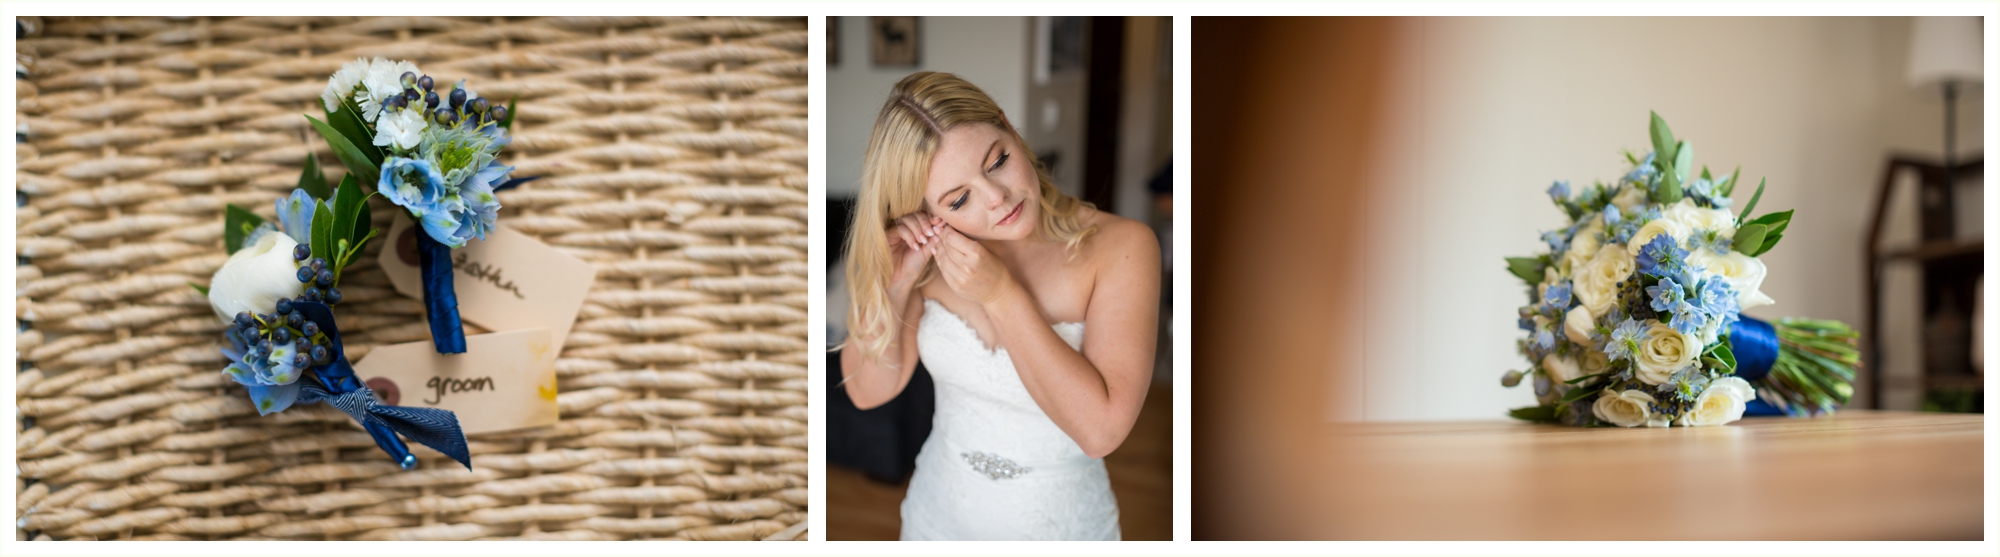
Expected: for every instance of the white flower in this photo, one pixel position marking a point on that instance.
(1559, 369)
(1583, 247)
(342, 83)
(1696, 218)
(1664, 352)
(384, 80)
(1578, 325)
(1627, 409)
(255, 278)
(402, 128)
(1597, 284)
(1655, 227)
(1593, 361)
(1722, 402)
(1741, 271)
(1628, 199)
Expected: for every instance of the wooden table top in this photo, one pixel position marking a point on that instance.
(1858, 475)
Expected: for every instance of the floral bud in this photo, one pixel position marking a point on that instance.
(425, 83)
(499, 114)
(478, 106)
(310, 329)
(325, 278)
(295, 319)
(333, 295)
(244, 320)
(312, 294)
(446, 116)
(305, 274)
(301, 252)
(281, 335)
(409, 79)
(457, 98)
(284, 306)
(317, 264)
(321, 355)
(430, 100)
(301, 360)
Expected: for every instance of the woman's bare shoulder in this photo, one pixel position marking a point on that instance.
(1120, 240)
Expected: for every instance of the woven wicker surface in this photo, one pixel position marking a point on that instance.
(673, 153)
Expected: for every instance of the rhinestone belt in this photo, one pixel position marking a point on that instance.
(993, 466)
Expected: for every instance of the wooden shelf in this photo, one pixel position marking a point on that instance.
(1934, 250)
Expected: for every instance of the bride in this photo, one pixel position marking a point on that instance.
(1035, 313)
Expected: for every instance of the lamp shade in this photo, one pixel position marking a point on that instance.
(1945, 49)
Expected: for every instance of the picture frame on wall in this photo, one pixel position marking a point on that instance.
(895, 39)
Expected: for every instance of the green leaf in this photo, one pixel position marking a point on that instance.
(1663, 139)
(237, 222)
(346, 202)
(1528, 268)
(1749, 238)
(199, 288)
(1774, 226)
(354, 249)
(1721, 357)
(1683, 161)
(348, 121)
(357, 162)
(1539, 414)
(1729, 186)
(1578, 393)
(1770, 241)
(508, 123)
(322, 232)
(1580, 380)
(1669, 190)
(1753, 200)
(312, 179)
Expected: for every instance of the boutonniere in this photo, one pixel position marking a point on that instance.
(432, 152)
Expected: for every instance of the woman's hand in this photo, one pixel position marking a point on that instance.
(910, 238)
(971, 271)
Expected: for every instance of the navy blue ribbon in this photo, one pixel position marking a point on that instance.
(440, 297)
(1755, 344)
(335, 384)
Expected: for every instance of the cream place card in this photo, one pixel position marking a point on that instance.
(525, 292)
(504, 380)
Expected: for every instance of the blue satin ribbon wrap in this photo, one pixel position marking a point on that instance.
(336, 384)
(1755, 344)
(440, 297)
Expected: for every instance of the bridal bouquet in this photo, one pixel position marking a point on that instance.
(1634, 316)
(433, 153)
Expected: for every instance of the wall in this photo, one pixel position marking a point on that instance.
(991, 52)
(1485, 113)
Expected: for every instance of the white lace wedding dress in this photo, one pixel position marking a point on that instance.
(995, 467)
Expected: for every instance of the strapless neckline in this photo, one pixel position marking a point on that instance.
(1064, 330)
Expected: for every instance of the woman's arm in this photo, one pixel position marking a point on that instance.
(1094, 396)
(872, 382)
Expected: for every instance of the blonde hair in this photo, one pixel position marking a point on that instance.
(920, 109)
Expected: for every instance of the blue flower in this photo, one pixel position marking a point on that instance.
(1557, 297)
(1661, 256)
(270, 377)
(1545, 339)
(1688, 318)
(296, 213)
(1643, 172)
(410, 183)
(480, 202)
(1557, 244)
(1612, 216)
(1625, 340)
(1666, 295)
(272, 398)
(1560, 191)
(1718, 298)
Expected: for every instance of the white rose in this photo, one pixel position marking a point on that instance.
(1583, 247)
(1597, 285)
(1559, 368)
(1696, 218)
(1741, 271)
(1627, 409)
(1664, 352)
(1657, 227)
(255, 278)
(1628, 199)
(1593, 361)
(1578, 325)
(1722, 402)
